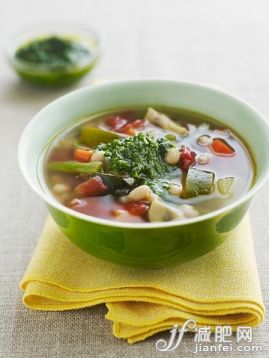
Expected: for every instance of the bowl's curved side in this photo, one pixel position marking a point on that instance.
(149, 248)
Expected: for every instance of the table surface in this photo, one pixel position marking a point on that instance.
(222, 43)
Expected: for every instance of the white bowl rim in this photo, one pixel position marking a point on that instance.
(127, 225)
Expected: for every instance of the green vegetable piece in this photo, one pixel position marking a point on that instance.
(198, 182)
(92, 136)
(75, 167)
(172, 137)
(224, 184)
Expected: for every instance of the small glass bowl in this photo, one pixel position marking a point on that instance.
(44, 74)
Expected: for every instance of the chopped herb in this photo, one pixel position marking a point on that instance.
(141, 156)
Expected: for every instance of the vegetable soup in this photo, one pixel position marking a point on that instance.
(148, 165)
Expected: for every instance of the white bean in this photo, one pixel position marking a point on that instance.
(204, 140)
(142, 192)
(172, 156)
(204, 158)
(175, 189)
(60, 188)
(98, 156)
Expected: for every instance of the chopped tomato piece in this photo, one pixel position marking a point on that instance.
(116, 122)
(124, 123)
(138, 123)
(138, 208)
(219, 146)
(91, 187)
(127, 129)
(187, 158)
(82, 155)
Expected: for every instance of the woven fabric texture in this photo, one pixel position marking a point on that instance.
(220, 288)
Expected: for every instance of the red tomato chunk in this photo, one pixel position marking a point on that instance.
(138, 123)
(138, 208)
(127, 129)
(187, 158)
(116, 122)
(123, 125)
(91, 187)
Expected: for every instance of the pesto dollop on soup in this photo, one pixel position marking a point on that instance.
(54, 52)
(148, 166)
(139, 156)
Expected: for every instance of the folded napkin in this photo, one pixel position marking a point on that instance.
(220, 288)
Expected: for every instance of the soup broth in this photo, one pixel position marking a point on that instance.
(148, 165)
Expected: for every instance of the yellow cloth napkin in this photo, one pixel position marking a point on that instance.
(221, 287)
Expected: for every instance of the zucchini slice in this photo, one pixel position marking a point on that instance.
(198, 182)
(224, 185)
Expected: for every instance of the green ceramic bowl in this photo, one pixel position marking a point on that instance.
(148, 245)
(42, 74)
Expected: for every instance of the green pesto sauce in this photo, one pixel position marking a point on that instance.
(141, 156)
(54, 52)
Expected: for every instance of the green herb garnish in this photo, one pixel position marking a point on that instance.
(141, 156)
